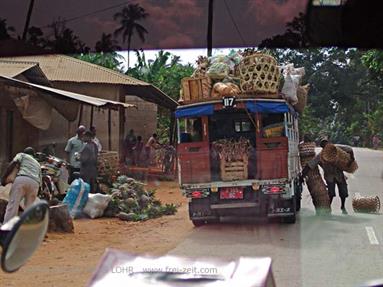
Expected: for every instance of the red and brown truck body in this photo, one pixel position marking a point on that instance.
(270, 187)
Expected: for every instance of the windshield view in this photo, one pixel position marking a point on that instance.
(189, 143)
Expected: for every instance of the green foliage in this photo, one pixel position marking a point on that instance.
(129, 18)
(343, 96)
(165, 72)
(110, 60)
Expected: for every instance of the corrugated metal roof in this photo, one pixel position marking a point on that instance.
(13, 69)
(69, 95)
(69, 69)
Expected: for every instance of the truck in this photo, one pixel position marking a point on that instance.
(266, 185)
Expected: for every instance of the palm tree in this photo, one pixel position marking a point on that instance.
(5, 29)
(128, 19)
(106, 44)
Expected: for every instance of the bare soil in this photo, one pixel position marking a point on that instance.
(70, 259)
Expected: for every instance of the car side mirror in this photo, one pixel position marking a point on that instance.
(21, 236)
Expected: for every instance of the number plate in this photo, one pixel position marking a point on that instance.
(228, 102)
(231, 193)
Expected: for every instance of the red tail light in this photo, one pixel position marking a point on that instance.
(275, 189)
(196, 194)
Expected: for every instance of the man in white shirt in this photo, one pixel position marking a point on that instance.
(73, 148)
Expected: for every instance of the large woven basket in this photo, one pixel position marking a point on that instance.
(306, 149)
(366, 204)
(318, 191)
(259, 73)
(338, 157)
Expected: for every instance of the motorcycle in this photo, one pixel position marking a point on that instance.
(54, 177)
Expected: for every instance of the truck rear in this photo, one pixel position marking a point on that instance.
(264, 184)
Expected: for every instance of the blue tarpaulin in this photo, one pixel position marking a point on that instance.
(267, 107)
(203, 110)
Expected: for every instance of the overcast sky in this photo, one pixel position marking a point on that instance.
(171, 24)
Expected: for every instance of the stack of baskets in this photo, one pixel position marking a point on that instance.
(259, 73)
(336, 156)
(315, 183)
(366, 204)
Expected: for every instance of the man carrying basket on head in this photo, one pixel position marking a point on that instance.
(333, 175)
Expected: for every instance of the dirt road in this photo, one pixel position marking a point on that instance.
(69, 259)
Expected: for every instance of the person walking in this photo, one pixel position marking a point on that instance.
(332, 174)
(26, 184)
(88, 161)
(73, 147)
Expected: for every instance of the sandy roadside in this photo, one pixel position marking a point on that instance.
(69, 259)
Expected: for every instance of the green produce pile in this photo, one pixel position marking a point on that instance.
(131, 202)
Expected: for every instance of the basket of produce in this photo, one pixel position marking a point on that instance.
(306, 149)
(259, 73)
(132, 202)
(366, 204)
(108, 162)
(233, 155)
(338, 157)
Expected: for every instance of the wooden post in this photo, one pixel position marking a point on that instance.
(80, 115)
(91, 115)
(210, 28)
(122, 119)
(172, 128)
(109, 129)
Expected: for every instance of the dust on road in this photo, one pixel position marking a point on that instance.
(70, 259)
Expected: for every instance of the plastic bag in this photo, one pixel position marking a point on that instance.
(96, 205)
(77, 197)
(218, 70)
(289, 90)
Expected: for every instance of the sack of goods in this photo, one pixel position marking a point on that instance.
(77, 197)
(292, 80)
(366, 204)
(302, 92)
(338, 157)
(96, 205)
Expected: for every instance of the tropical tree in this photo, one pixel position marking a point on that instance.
(129, 19)
(35, 37)
(165, 72)
(64, 40)
(107, 44)
(111, 60)
(5, 30)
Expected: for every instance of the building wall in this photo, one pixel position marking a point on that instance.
(143, 120)
(23, 135)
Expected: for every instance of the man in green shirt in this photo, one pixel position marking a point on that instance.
(26, 184)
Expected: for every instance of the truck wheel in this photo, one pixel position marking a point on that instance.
(289, 219)
(198, 223)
